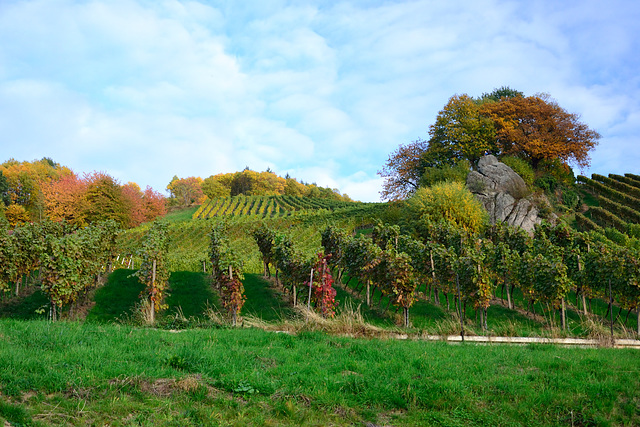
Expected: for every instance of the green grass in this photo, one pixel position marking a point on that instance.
(117, 297)
(181, 215)
(263, 301)
(25, 307)
(80, 374)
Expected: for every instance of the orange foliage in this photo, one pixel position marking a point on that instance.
(537, 128)
(65, 199)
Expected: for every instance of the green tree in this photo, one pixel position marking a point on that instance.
(460, 132)
(501, 93)
(105, 200)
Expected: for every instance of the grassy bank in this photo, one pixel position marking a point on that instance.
(78, 374)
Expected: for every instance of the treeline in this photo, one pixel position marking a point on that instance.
(192, 190)
(43, 189)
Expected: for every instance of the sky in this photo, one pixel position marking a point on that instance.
(322, 90)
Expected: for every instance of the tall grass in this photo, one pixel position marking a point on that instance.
(73, 374)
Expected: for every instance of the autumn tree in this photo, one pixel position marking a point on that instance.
(105, 200)
(185, 191)
(217, 186)
(65, 199)
(25, 180)
(155, 204)
(538, 129)
(403, 170)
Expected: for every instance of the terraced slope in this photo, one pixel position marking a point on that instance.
(265, 206)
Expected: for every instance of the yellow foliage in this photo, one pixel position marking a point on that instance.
(450, 201)
(16, 215)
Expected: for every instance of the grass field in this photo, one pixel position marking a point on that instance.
(81, 374)
(193, 370)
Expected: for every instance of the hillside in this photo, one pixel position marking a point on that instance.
(267, 206)
(614, 204)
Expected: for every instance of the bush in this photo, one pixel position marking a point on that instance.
(450, 201)
(570, 198)
(521, 167)
(546, 183)
(445, 173)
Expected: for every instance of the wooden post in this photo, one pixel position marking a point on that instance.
(368, 293)
(310, 286)
(611, 309)
(460, 306)
(153, 293)
(234, 309)
(295, 295)
(433, 276)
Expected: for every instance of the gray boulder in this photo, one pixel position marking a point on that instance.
(503, 194)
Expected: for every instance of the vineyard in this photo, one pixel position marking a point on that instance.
(618, 205)
(266, 206)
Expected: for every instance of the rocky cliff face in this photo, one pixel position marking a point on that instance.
(503, 194)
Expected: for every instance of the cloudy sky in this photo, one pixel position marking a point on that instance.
(322, 90)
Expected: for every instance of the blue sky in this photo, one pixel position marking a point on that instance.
(324, 91)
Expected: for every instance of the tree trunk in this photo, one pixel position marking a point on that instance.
(406, 316)
(638, 315)
(509, 303)
(563, 315)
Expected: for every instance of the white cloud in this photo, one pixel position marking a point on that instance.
(148, 90)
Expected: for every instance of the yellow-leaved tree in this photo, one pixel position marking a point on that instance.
(449, 201)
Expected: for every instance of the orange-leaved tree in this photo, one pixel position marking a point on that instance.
(538, 129)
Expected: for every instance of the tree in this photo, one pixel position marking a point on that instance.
(155, 204)
(105, 199)
(217, 186)
(65, 199)
(16, 215)
(538, 129)
(500, 93)
(460, 132)
(133, 198)
(186, 191)
(4, 190)
(403, 170)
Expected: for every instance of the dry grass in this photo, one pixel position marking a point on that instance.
(348, 321)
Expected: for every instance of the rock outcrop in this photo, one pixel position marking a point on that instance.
(503, 194)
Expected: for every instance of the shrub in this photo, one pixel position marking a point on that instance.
(445, 173)
(521, 167)
(452, 202)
